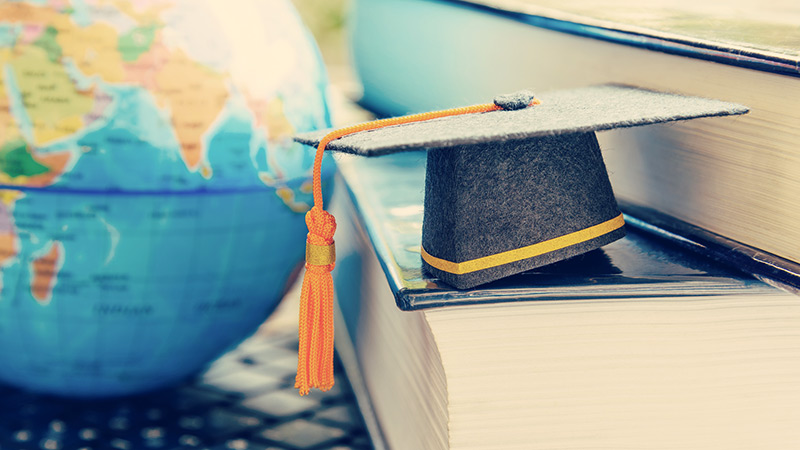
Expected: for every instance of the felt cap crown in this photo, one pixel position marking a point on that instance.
(510, 190)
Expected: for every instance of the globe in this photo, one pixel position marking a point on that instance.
(151, 198)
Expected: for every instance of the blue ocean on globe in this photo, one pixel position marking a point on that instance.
(151, 198)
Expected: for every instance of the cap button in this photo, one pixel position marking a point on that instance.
(517, 100)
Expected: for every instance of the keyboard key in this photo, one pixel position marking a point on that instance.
(303, 434)
(280, 403)
(342, 415)
(242, 382)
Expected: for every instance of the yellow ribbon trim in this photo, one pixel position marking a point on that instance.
(530, 251)
(320, 255)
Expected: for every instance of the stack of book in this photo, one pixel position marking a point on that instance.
(738, 178)
(685, 334)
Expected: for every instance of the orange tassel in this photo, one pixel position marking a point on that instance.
(315, 358)
(315, 355)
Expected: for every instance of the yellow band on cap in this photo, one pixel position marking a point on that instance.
(525, 252)
(320, 255)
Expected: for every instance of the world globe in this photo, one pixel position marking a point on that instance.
(151, 198)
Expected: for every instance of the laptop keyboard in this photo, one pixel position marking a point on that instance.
(244, 401)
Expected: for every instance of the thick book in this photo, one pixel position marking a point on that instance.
(734, 181)
(640, 344)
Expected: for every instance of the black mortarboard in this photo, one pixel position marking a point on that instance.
(514, 189)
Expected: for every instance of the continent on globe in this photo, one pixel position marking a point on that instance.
(64, 68)
(9, 247)
(8, 126)
(179, 81)
(269, 114)
(20, 166)
(54, 105)
(45, 272)
(93, 49)
(133, 43)
(8, 250)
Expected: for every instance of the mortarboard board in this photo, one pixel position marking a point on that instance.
(525, 186)
(509, 187)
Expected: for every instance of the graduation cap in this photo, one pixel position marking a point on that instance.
(520, 183)
(523, 186)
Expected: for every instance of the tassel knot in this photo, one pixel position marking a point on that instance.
(321, 226)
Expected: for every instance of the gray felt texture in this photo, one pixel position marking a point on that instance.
(561, 112)
(488, 198)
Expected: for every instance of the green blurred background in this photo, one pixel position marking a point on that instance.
(326, 20)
